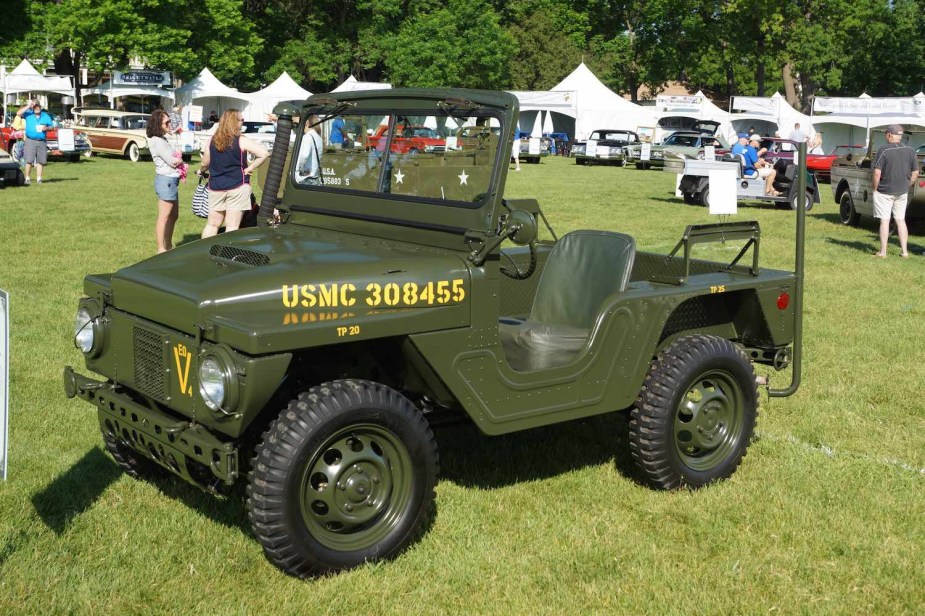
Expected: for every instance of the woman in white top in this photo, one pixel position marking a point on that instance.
(166, 178)
(816, 147)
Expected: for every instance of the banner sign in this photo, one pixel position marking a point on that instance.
(679, 103)
(4, 379)
(870, 106)
(757, 104)
(141, 78)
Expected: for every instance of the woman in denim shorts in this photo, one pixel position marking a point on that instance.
(166, 178)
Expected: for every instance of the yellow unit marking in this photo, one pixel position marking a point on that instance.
(718, 289)
(180, 353)
(348, 330)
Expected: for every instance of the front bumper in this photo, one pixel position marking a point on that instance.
(181, 446)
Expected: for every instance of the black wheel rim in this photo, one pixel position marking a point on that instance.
(356, 487)
(844, 209)
(708, 420)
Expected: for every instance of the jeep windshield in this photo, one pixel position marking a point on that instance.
(428, 164)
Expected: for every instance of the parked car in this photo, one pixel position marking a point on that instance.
(852, 183)
(263, 133)
(523, 151)
(10, 173)
(114, 132)
(12, 143)
(688, 144)
(821, 164)
(605, 146)
(408, 140)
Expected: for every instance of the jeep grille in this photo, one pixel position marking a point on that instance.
(248, 257)
(150, 376)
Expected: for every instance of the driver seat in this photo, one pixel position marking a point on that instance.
(583, 269)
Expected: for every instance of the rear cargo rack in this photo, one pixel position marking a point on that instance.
(716, 232)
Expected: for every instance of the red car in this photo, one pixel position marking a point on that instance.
(12, 144)
(821, 164)
(409, 139)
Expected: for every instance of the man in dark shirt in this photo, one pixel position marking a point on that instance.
(895, 170)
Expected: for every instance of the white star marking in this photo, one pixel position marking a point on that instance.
(399, 177)
(463, 178)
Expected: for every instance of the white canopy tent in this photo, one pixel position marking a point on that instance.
(697, 107)
(597, 106)
(767, 115)
(350, 84)
(25, 79)
(113, 92)
(262, 102)
(847, 121)
(211, 94)
(534, 104)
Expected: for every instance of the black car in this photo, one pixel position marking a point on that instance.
(604, 146)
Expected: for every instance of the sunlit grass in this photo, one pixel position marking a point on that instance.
(824, 515)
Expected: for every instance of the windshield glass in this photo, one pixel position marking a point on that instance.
(428, 157)
(684, 140)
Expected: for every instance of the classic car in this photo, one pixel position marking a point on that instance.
(821, 164)
(263, 133)
(606, 146)
(11, 141)
(408, 139)
(524, 143)
(687, 144)
(852, 182)
(114, 132)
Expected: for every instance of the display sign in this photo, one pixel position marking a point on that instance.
(4, 379)
(591, 147)
(452, 142)
(645, 152)
(679, 103)
(195, 113)
(534, 147)
(722, 191)
(709, 152)
(602, 151)
(66, 140)
(141, 78)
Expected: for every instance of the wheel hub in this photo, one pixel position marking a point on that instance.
(704, 419)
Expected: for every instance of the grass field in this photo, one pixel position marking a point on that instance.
(826, 515)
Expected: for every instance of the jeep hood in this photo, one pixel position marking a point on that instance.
(255, 288)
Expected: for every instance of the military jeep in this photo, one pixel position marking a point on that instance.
(310, 356)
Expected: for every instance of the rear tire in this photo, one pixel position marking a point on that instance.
(88, 153)
(344, 476)
(807, 202)
(846, 212)
(705, 197)
(695, 416)
(132, 152)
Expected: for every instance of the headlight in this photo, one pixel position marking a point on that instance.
(212, 383)
(84, 330)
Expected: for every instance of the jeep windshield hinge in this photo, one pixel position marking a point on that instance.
(720, 232)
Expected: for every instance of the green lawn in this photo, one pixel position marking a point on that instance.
(825, 515)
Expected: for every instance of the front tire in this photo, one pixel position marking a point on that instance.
(846, 212)
(705, 197)
(345, 475)
(695, 416)
(132, 152)
(807, 202)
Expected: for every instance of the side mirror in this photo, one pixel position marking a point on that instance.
(521, 226)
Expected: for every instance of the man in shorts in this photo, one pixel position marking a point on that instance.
(895, 170)
(765, 170)
(36, 147)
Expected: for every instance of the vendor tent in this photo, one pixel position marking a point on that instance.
(845, 120)
(350, 84)
(112, 92)
(25, 79)
(211, 94)
(597, 106)
(693, 107)
(560, 109)
(767, 115)
(263, 101)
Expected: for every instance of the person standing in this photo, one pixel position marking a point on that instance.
(35, 151)
(308, 169)
(225, 158)
(895, 170)
(515, 153)
(338, 137)
(176, 119)
(166, 178)
(796, 135)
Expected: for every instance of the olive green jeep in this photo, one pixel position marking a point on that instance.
(310, 356)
